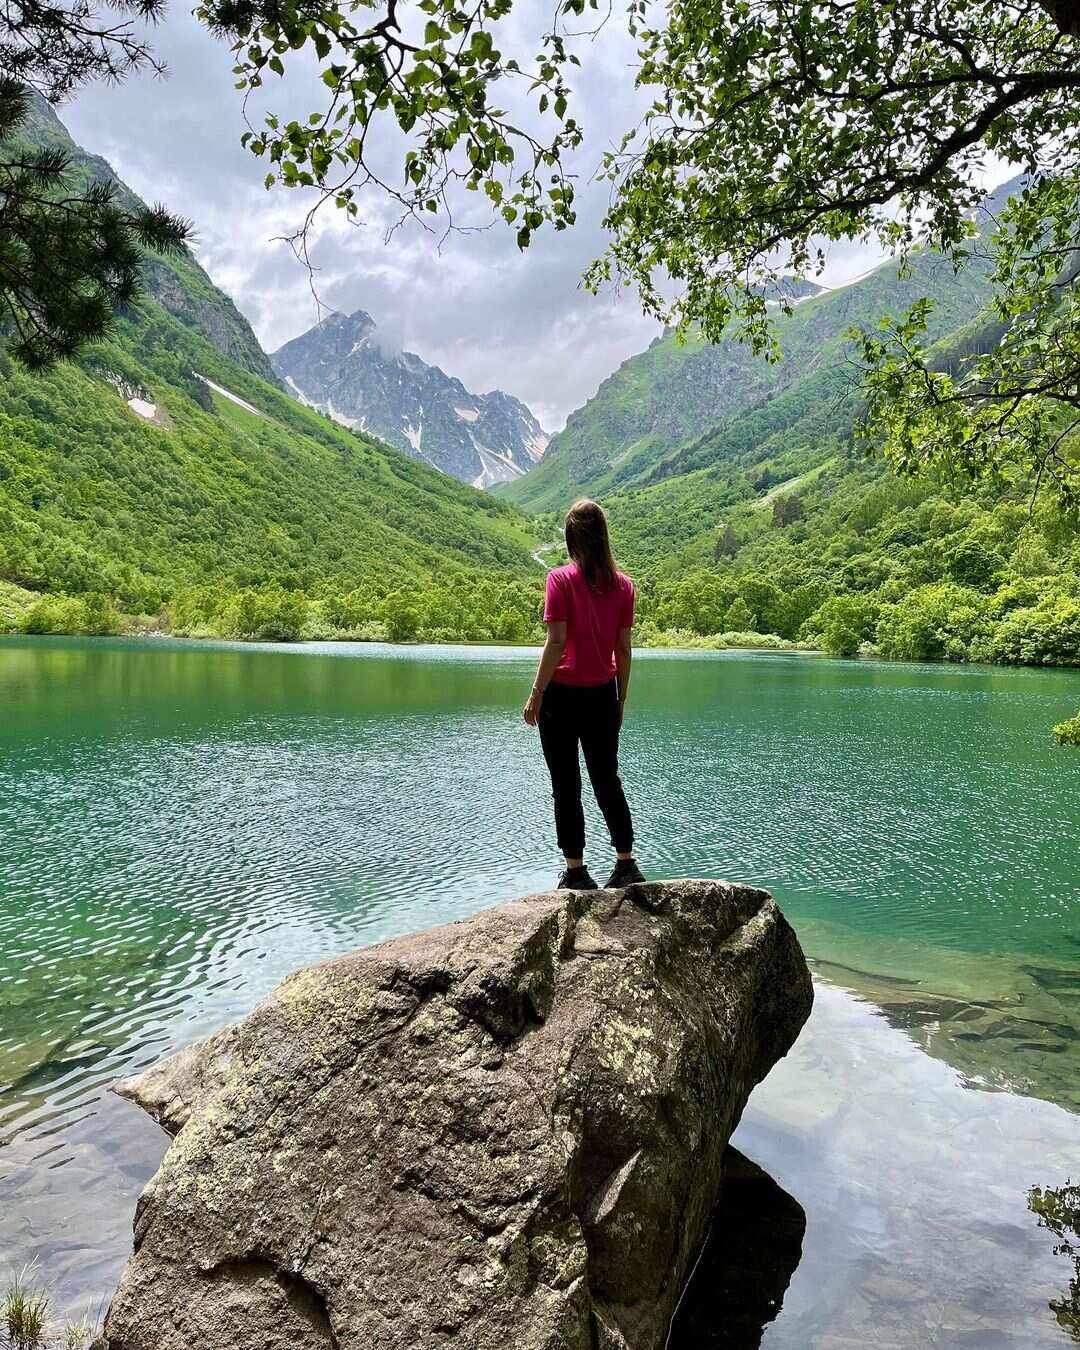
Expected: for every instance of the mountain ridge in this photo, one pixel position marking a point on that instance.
(180, 284)
(678, 404)
(342, 367)
(163, 458)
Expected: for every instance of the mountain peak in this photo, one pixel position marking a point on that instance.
(373, 386)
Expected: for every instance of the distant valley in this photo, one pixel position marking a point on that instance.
(174, 476)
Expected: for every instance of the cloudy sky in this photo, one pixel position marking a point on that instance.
(492, 316)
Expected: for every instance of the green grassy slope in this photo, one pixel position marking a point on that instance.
(683, 405)
(95, 498)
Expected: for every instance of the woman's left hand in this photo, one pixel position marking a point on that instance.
(531, 710)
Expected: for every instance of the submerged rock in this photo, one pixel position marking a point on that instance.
(501, 1134)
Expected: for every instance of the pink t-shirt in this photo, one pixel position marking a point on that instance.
(593, 619)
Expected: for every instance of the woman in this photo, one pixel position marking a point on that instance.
(580, 692)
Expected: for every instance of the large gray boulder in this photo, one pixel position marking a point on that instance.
(502, 1134)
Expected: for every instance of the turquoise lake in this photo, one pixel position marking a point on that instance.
(181, 824)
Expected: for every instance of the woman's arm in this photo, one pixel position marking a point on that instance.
(549, 660)
(623, 658)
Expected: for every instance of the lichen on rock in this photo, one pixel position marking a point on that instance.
(505, 1133)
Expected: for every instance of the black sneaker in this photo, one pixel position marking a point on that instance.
(577, 879)
(625, 874)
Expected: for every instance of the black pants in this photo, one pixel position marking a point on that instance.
(569, 714)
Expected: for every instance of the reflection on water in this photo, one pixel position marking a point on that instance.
(918, 1231)
(1006, 1025)
(753, 1248)
(1058, 1209)
(183, 824)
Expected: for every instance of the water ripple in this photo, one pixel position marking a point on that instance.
(181, 826)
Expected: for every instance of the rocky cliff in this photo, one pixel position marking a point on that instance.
(178, 284)
(505, 1132)
(343, 367)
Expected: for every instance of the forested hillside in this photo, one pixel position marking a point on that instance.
(684, 403)
(159, 471)
(848, 556)
(768, 521)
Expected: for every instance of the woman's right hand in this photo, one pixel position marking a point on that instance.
(531, 710)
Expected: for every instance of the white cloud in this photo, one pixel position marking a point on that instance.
(472, 303)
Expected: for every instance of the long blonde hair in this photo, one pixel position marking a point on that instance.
(588, 545)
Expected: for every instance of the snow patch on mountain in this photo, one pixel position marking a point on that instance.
(359, 376)
(227, 393)
(496, 468)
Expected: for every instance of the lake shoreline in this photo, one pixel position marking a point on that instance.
(376, 633)
(777, 645)
(314, 645)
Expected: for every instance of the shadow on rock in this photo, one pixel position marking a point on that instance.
(752, 1251)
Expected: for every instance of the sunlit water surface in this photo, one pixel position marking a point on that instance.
(183, 824)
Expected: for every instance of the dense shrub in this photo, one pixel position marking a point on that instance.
(973, 564)
(93, 615)
(467, 608)
(739, 617)
(1019, 593)
(933, 623)
(1044, 634)
(268, 615)
(669, 637)
(1068, 732)
(843, 623)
